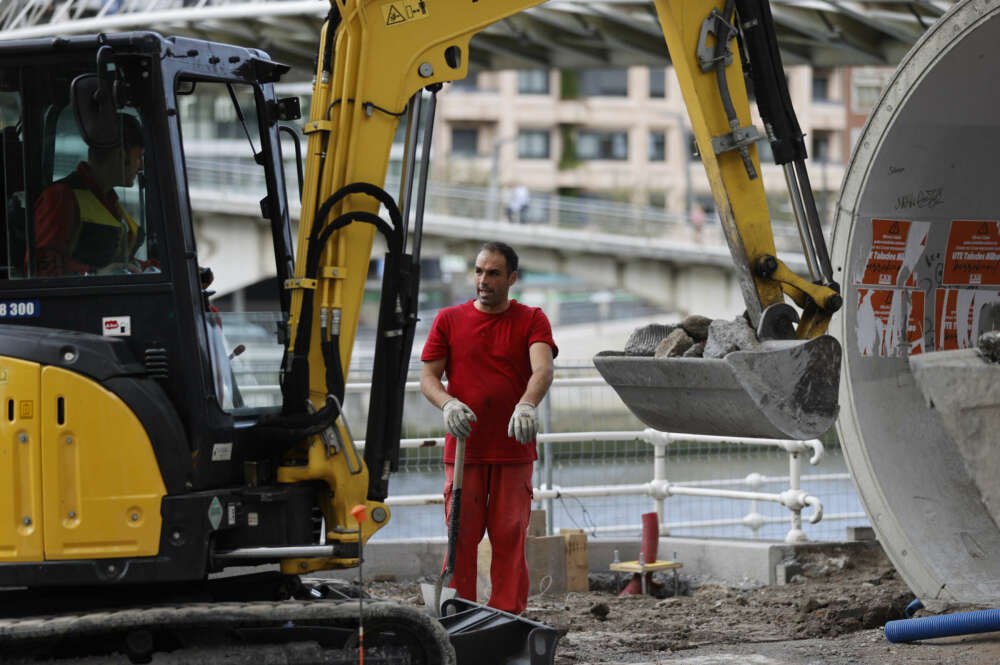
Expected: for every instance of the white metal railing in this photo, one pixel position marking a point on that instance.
(660, 488)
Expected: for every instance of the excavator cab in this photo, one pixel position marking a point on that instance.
(131, 457)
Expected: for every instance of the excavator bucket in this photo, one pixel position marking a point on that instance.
(484, 636)
(786, 389)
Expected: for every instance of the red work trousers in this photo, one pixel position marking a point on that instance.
(496, 499)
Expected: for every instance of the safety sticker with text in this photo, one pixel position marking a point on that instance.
(897, 246)
(973, 256)
(397, 13)
(116, 326)
(957, 316)
(880, 322)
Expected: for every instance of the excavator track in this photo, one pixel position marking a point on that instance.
(320, 632)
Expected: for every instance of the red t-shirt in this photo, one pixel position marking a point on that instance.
(488, 368)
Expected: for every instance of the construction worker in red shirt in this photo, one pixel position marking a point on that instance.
(497, 354)
(80, 226)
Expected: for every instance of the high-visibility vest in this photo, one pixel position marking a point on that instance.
(101, 238)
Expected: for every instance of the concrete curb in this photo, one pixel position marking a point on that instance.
(742, 563)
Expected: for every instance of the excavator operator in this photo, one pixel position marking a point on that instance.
(80, 225)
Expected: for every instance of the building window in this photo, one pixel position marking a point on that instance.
(533, 144)
(657, 82)
(608, 82)
(864, 97)
(464, 141)
(657, 146)
(821, 144)
(533, 82)
(597, 144)
(821, 85)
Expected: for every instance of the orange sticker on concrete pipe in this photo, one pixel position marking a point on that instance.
(956, 316)
(897, 246)
(973, 255)
(880, 318)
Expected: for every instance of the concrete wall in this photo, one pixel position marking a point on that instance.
(741, 563)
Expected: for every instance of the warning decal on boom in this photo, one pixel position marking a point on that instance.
(397, 13)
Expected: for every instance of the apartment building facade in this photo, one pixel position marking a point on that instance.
(615, 134)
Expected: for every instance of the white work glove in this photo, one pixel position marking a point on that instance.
(458, 418)
(523, 424)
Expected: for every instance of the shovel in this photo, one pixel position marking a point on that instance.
(433, 593)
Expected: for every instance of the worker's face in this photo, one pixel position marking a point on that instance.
(132, 163)
(127, 162)
(493, 281)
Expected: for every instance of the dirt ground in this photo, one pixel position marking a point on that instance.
(832, 613)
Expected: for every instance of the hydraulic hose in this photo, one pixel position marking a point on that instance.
(295, 386)
(945, 625)
(769, 83)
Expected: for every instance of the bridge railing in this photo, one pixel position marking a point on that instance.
(241, 184)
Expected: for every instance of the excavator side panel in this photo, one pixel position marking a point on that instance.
(102, 484)
(20, 462)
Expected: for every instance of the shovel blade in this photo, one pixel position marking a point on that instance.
(785, 390)
(428, 591)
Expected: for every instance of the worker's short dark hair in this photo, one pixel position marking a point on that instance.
(131, 130)
(129, 136)
(509, 255)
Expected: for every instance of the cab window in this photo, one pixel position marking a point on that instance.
(71, 209)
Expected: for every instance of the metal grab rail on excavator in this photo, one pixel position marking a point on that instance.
(221, 487)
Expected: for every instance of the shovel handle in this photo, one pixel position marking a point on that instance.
(456, 503)
(456, 506)
(456, 478)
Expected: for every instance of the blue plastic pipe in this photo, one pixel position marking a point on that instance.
(925, 628)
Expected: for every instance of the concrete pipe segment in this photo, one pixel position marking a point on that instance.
(916, 248)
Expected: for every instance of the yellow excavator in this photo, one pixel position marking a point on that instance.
(132, 470)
